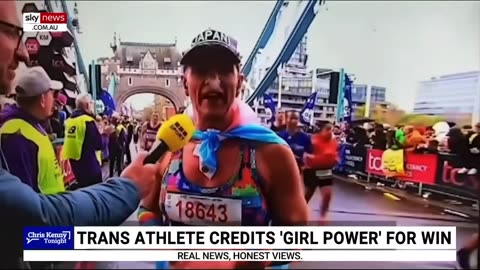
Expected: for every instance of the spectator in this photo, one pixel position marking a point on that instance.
(391, 140)
(28, 150)
(101, 126)
(105, 134)
(414, 138)
(337, 133)
(358, 136)
(82, 142)
(116, 145)
(379, 138)
(432, 146)
(136, 134)
(429, 133)
(61, 103)
(130, 131)
(57, 120)
(457, 144)
(474, 145)
(279, 124)
(468, 130)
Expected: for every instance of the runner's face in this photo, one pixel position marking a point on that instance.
(155, 117)
(292, 120)
(10, 53)
(212, 87)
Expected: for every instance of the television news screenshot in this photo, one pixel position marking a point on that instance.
(306, 134)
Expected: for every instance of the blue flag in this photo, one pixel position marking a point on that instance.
(270, 107)
(347, 100)
(306, 114)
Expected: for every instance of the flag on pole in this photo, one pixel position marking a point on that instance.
(306, 114)
(270, 107)
(347, 100)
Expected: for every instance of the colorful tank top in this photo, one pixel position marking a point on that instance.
(150, 136)
(238, 202)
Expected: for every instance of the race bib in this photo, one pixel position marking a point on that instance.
(323, 173)
(202, 210)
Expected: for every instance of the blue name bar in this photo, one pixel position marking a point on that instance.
(48, 238)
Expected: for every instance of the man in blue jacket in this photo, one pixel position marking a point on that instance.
(109, 203)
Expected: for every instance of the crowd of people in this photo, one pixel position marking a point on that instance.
(317, 147)
(256, 173)
(446, 138)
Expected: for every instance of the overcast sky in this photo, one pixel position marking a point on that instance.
(391, 44)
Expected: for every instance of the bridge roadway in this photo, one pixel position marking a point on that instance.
(354, 204)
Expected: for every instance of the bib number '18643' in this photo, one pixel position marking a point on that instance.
(202, 210)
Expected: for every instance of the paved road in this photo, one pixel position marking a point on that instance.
(356, 205)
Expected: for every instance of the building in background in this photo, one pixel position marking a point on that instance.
(163, 106)
(360, 99)
(454, 96)
(297, 85)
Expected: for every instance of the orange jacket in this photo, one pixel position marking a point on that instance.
(325, 152)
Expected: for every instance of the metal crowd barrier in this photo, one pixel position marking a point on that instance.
(436, 173)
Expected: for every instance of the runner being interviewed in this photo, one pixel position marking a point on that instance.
(252, 169)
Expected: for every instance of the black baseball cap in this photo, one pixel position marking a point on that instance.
(212, 43)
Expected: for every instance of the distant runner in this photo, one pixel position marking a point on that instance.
(319, 165)
(150, 132)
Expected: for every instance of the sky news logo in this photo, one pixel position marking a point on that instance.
(45, 22)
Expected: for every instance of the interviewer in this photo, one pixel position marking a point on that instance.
(109, 203)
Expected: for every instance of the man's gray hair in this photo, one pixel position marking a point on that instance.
(82, 99)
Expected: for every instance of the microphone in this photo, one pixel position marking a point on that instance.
(173, 135)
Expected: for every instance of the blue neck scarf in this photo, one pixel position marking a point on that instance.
(212, 140)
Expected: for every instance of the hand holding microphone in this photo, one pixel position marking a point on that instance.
(173, 135)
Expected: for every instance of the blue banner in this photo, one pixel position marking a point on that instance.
(48, 238)
(347, 100)
(108, 102)
(306, 114)
(270, 107)
(342, 161)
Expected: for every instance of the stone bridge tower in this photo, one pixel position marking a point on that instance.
(145, 68)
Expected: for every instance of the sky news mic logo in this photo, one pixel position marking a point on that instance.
(45, 22)
(47, 238)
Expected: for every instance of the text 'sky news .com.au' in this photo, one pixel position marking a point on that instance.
(45, 22)
(293, 244)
